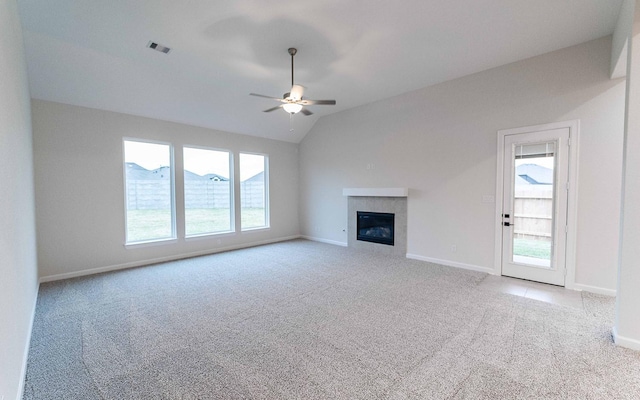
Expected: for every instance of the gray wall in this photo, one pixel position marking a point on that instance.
(18, 273)
(441, 143)
(81, 219)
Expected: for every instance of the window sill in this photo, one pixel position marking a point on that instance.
(150, 243)
(258, 229)
(214, 235)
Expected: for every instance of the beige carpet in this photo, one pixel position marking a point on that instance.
(304, 320)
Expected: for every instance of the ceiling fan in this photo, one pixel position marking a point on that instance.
(293, 102)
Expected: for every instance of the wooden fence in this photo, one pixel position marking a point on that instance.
(156, 194)
(533, 212)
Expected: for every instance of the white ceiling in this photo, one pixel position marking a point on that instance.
(93, 52)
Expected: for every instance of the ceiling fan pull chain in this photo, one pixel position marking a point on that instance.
(291, 122)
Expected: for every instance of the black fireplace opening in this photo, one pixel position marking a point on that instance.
(375, 227)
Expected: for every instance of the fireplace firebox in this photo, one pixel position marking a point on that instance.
(375, 227)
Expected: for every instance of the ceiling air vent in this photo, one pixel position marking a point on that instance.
(158, 47)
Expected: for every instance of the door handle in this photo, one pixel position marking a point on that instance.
(506, 223)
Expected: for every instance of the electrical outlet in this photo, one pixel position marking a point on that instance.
(454, 248)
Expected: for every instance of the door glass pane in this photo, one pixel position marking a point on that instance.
(533, 204)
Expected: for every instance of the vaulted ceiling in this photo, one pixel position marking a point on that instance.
(94, 53)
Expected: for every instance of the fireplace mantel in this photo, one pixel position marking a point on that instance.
(375, 192)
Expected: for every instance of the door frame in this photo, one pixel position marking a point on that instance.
(572, 195)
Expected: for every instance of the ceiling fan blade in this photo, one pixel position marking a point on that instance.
(266, 97)
(273, 109)
(307, 102)
(296, 92)
(293, 102)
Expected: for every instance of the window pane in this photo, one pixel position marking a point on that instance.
(253, 191)
(207, 191)
(149, 193)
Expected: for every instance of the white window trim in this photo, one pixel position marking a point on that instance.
(267, 205)
(232, 216)
(174, 236)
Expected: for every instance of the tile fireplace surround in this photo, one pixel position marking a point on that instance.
(384, 200)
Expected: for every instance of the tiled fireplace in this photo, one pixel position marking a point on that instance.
(386, 201)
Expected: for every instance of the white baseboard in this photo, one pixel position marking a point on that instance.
(333, 242)
(594, 289)
(451, 263)
(622, 341)
(92, 271)
(25, 357)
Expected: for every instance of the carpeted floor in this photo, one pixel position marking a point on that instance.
(305, 320)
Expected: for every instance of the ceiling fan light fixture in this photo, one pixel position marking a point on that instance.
(292, 101)
(292, 108)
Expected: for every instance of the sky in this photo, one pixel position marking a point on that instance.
(196, 160)
(202, 162)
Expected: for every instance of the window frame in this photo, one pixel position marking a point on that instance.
(172, 168)
(232, 211)
(267, 205)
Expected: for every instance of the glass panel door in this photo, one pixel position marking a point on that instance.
(536, 166)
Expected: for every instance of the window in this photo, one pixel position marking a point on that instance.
(254, 193)
(208, 191)
(149, 199)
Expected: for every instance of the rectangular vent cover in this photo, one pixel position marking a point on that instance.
(158, 47)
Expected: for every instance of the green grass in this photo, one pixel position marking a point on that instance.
(199, 221)
(148, 225)
(532, 248)
(252, 218)
(143, 225)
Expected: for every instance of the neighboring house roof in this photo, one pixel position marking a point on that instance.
(215, 177)
(190, 176)
(534, 174)
(136, 172)
(521, 181)
(259, 177)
